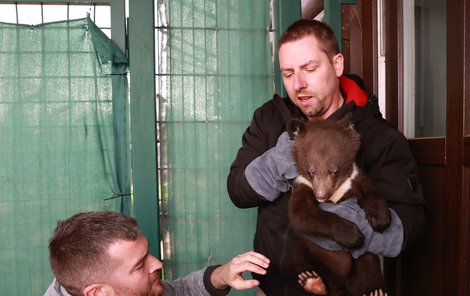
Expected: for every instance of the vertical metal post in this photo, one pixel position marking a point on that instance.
(285, 12)
(118, 23)
(143, 119)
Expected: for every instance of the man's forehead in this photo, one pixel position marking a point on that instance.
(122, 249)
(301, 51)
(308, 40)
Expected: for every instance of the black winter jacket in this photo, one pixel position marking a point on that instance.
(384, 156)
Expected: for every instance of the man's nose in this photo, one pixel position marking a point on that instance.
(155, 264)
(299, 82)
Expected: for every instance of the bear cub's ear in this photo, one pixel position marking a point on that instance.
(347, 121)
(295, 128)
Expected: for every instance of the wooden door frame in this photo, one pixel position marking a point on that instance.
(440, 264)
(449, 153)
(463, 22)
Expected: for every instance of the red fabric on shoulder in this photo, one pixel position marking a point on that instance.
(353, 91)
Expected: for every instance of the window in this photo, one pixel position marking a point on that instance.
(424, 68)
(33, 14)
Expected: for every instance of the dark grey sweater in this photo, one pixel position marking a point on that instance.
(196, 283)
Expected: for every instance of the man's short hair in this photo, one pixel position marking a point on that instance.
(321, 31)
(78, 250)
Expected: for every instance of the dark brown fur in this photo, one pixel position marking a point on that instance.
(325, 153)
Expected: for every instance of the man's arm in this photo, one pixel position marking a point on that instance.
(254, 143)
(394, 173)
(230, 274)
(255, 176)
(218, 280)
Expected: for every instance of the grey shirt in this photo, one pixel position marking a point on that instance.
(196, 283)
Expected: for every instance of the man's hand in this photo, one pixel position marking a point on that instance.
(387, 243)
(269, 174)
(230, 274)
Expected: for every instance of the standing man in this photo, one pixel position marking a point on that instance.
(312, 72)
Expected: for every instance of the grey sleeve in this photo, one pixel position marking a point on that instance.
(192, 284)
(196, 283)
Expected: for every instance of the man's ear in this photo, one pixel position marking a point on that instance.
(98, 290)
(338, 62)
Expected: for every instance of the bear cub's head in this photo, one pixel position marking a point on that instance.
(324, 153)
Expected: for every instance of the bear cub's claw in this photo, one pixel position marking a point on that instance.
(378, 292)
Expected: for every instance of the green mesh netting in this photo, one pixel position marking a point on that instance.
(214, 68)
(63, 139)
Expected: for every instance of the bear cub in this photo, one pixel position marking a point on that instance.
(325, 152)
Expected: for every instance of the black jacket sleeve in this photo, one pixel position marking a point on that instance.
(208, 284)
(254, 143)
(388, 161)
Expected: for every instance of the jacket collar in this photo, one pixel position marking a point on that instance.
(353, 91)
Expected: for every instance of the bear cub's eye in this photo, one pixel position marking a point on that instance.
(334, 172)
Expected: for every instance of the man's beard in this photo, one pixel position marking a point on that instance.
(155, 288)
(314, 109)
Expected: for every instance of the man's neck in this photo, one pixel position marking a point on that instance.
(335, 105)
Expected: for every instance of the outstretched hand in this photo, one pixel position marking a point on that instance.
(230, 274)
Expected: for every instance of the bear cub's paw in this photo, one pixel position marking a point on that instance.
(347, 234)
(312, 283)
(378, 215)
